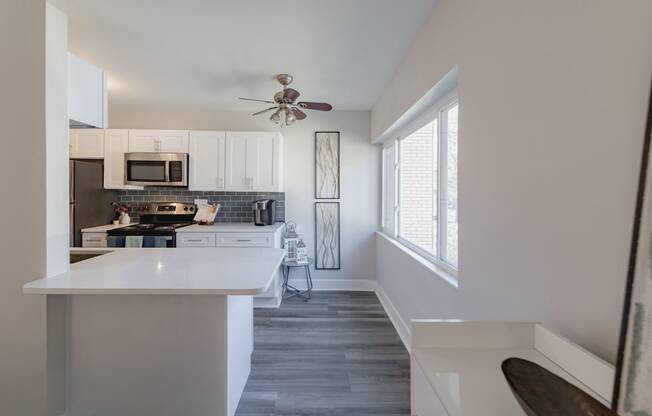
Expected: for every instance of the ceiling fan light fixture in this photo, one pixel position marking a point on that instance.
(290, 118)
(288, 111)
(276, 117)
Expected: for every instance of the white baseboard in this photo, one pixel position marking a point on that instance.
(335, 284)
(274, 302)
(401, 326)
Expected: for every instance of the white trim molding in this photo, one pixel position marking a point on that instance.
(365, 285)
(400, 325)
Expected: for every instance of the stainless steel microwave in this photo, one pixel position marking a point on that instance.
(156, 169)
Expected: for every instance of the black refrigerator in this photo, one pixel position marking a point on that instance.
(90, 203)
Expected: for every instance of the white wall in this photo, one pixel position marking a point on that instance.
(360, 172)
(57, 217)
(23, 242)
(553, 97)
(56, 128)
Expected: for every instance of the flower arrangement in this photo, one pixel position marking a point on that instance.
(119, 208)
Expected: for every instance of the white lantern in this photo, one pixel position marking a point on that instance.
(290, 241)
(302, 252)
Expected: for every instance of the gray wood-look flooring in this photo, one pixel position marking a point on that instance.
(337, 354)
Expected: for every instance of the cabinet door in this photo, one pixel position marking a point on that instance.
(235, 176)
(144, 141)
(94, 240)
(116, 144)
(206, 160)
(263, 161)
(244, 240)
(87, 95)
(86, 144)
(173, 141)
(195, 240)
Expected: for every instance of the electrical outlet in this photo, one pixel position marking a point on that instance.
(199, 201)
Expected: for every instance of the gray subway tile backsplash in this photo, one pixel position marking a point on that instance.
(234, 206)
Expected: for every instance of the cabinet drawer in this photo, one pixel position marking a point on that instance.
(195, 240)
(93, 239)
(244, 239)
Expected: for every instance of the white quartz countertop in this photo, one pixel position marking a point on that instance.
(166, 271)
(470, 382)
(231, 228)
(104, 228)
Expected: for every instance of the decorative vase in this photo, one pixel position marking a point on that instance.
(125, 219)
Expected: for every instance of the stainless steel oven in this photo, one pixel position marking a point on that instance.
(156, 169)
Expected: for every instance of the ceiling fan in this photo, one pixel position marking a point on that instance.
(286, 107)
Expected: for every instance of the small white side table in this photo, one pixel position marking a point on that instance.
(303, 294)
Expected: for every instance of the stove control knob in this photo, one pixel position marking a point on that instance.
(185, 208)
(192, 209)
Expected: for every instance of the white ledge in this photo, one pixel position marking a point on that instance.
(430, 266)
(165, 271)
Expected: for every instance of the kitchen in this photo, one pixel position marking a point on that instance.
(233, 209)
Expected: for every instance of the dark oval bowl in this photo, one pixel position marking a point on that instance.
(542, 393)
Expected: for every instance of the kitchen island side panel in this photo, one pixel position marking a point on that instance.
(159, 355)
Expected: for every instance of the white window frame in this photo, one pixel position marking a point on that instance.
(389, 216)
(433, 113)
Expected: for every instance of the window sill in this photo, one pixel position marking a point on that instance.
(432, 267)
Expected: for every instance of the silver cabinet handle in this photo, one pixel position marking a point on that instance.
(194, 241)
(243, 241)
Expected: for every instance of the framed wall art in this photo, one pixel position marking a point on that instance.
(327, 235)
(327, 165)
(633, 384)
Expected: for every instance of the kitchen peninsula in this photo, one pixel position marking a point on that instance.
(160, 331)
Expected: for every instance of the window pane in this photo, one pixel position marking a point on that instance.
(451, 186)
(389, 190)
(418, 181)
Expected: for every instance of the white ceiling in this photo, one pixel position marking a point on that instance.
(206, 53)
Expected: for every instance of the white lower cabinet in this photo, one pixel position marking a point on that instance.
(94, 240)
(272, 239)
(244, 240)
(195, 239)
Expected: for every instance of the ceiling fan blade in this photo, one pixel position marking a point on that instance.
(264, 111)
(290, 94)
(315, 106)
(260, 101)
(300, 115)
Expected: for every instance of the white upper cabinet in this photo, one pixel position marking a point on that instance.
(207, 157)
(264, 161)
(169, 141)
(236, 178)
(116, 144)
(87, 94)
(86, 143)
(174, 141)
(253, 161)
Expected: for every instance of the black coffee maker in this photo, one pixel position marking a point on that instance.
(264, 212)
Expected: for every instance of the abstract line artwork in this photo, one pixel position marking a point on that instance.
(327, 235)
(327, 165)
(632, 395)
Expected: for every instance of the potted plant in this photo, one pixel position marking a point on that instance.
(123, 212)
